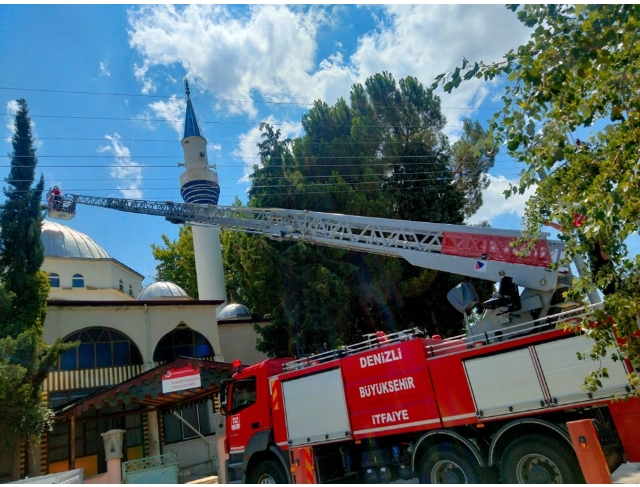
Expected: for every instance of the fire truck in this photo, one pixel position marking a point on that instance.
(490, 405)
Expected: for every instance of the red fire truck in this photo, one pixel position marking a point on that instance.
(489, 405)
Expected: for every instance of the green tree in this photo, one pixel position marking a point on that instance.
(384, 155)
(177, 261)
(571, 115)
(24, 357)
(473, 156)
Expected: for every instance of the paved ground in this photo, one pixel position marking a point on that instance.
(629, 473)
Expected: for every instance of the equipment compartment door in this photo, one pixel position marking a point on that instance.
(505, 383)
(315, 408)
(564, 373)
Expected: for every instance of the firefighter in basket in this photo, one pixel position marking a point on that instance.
(54, 198)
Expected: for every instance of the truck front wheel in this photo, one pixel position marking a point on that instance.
(268, 472)
(538, 459)
(448, 463)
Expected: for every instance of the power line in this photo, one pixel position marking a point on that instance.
(205, 98)
(224, 123)
(363, 161)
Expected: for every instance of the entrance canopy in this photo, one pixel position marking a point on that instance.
(168, 386)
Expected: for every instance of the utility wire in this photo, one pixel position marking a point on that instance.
(205, 98)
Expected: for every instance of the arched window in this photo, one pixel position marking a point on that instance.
(77, 280)
(121, 286)
(54, 279)
(99, 347)
(182, 341)
(130, 290)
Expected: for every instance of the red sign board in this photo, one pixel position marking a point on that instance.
(180, 379)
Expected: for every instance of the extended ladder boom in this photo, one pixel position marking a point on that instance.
(479, 252)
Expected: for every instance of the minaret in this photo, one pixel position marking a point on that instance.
(199, 184)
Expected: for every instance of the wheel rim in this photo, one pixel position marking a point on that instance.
(447, 472)
(537, 469)
(266, 478)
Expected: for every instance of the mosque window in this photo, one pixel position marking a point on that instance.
(54, 279)
(77, 280)
(200, 416)
(130, 290)
(99, 347)
(182, 341)
(121, 286)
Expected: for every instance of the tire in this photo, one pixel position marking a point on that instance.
(539, 459)
(268, 472)
(448, 463)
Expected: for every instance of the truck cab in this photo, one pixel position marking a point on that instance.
(249, 425)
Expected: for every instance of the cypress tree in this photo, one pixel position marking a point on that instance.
(21, 249)
(24, 357)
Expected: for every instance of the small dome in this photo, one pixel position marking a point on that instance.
(162, 290)
(62, 241)
(234, 311)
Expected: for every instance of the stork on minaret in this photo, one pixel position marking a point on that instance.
(199, 184)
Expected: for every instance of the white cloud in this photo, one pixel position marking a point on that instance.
(270, 51)
(266, 52)
(11, 110)
(496, 206)
(126, 171)
(171, 110)
(427, 40)
(104, 71)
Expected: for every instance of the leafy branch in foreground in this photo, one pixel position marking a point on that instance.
(571, 115)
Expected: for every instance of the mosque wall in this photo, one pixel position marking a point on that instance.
(100, 278)
(144, 324)
(238, 341)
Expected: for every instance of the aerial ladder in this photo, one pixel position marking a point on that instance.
(531, 285)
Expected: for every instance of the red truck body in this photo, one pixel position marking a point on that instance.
(401, 406)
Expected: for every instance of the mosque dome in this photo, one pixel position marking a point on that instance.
(235, 311)
(162, 290)
(62, 241)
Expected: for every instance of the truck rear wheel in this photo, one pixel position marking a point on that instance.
(268, 472)
(448, 463)
(538, 459)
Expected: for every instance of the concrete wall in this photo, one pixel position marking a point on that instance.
(238, 341)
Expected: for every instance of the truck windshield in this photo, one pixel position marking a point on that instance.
(243, 394)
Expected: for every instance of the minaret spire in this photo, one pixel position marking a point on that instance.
(191, 127)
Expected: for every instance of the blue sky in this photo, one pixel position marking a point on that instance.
(104, 86)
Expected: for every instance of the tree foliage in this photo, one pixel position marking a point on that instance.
(382, 154)
(474, 155)
(177, 262)
(24, 357)
(571, 114)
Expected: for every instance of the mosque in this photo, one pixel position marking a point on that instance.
(131, 339)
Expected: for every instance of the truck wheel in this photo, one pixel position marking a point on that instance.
(449, 464)
(268, 472)
(538, 459)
